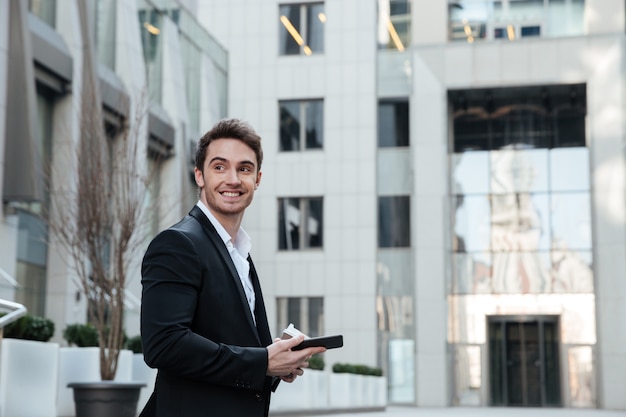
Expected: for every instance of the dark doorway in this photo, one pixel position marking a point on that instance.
(524, 361)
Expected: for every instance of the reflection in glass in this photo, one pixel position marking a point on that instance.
(395, 302)
(519, 222)
(300, 223)
(394, 222)
(569, 169)
(470, 172)
(471, 273)
(572, 271)
(571, 221)
(521, 272)
(301, 29)
(471, 228)
(394, 24)
(581, 376)
(301, 124)
(519, 170)
(393, 123)
(467, 362)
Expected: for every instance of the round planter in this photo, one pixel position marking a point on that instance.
(106, 398)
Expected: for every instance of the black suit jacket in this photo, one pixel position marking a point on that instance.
(197, 329)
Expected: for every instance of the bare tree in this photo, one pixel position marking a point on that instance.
(98, 221)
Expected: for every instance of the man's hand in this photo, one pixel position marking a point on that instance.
(286, 363)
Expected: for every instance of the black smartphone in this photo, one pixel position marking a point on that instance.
(329, 342)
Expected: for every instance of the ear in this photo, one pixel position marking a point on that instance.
(258, 180)
(198, 176)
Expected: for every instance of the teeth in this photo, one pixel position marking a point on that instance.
(227, 194)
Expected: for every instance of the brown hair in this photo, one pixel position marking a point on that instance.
(229, 129)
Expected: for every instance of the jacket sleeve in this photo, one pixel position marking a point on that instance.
(171, 281)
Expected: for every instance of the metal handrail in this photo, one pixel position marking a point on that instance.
(17, 311)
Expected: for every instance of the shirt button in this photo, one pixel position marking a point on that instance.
(259, 398)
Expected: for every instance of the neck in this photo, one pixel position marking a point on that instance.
(231, 223)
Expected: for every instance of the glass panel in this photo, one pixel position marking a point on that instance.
(569, 169)
(192, 65)
(315, 225)
(571, 221)
(314, 116)
(521, 272)
(497, 360)
(289, 30)
(467, 362)
(471, 131)
(32, 287)
(44, 9)
(520, 222)
(105, 32)
(551, 364)
(553, 18)
(394, 222)
(572, 271)
(288, 223)
(393, 124)
(150, 21)
(289, 125)
(471, 273)
(471, 223)
(519, 170)
(394, 23)
(316, 317)
(470, 173)
(401, 371)
(581, 377)
(315, 27)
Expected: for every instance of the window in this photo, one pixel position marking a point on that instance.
(301, 125)
(393, 123)
(306, 314)
(394, 24)
(521, 201)
(302, 29)
(394, 222)
(300, 223)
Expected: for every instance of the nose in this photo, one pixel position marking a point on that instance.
(233, 176)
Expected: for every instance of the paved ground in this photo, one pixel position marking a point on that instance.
(476, 412)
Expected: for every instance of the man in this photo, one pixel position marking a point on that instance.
(203, 320)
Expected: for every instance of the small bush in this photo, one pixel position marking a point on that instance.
(81, 335)
(29, 327)
(316, 362)
(134, 344)
(346, 368)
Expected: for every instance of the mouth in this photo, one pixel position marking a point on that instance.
(230, 193)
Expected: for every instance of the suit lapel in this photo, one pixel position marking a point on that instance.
(218, 243)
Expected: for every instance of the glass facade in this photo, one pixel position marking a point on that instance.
(473, 20)
(522, 245)
(393, 123)
(306, 314)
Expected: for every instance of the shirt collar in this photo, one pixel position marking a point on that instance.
(243, 243)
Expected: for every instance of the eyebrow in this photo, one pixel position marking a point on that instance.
(222, 159)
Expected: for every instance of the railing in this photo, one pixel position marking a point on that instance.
(17, 310)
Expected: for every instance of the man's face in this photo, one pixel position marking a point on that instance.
(229, 177)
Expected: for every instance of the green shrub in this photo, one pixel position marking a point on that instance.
(134, 344)
(81, 335)
(346, 368)
(316, 362)
(29, 327)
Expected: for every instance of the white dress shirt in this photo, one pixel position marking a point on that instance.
(239, 252)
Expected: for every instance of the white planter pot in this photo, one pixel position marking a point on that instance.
(82, 364)
(143, 373)
(339, 390)
(28, 378)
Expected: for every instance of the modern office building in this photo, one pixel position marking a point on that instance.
(444, 185)
(443, 181)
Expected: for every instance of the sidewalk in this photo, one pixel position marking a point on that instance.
(396, 411)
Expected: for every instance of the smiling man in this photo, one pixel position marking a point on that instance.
(203, 320)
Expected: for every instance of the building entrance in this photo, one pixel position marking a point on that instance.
(524, 361)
